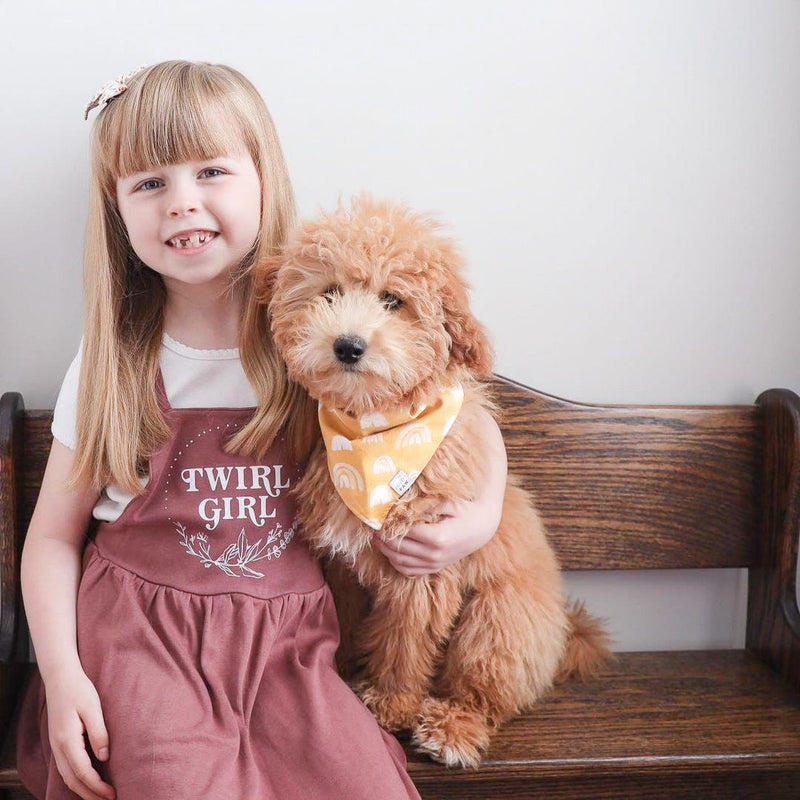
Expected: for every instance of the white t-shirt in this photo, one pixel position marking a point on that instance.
(192, 379)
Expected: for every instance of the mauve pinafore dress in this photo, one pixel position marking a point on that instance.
(210, 634)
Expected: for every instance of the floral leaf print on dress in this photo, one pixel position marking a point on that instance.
(237, 556)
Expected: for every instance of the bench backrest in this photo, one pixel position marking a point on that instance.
(626, 487)
(619, 487)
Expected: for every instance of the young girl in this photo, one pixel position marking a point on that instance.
(186, 648)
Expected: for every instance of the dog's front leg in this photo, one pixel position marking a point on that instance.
(402, 640)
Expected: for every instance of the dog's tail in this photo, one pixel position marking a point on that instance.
(588, 646)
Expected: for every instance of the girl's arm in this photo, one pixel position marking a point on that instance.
(465, 526)
(51, 569)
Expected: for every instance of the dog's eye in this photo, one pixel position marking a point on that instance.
(332, 292)
(390, 301)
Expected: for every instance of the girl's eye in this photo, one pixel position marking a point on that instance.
(390, 301)
(331, 293)
(211, 172)
(149, 185)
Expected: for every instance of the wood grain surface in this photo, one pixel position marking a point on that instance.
(627, 487)
(37, 439)
(690, 715)
(773, 622)
(11, 438)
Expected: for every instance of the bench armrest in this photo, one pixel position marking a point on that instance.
(773, 623)
(12, 630)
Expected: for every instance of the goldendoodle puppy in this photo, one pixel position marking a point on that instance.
(370, 312)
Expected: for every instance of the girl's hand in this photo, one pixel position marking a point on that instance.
(464, 526)
(73, 707)
(429, 547)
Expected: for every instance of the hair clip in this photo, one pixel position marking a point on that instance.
(110, 91)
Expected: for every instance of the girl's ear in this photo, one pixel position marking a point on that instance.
(470, 345)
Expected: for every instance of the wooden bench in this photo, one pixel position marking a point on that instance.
(620, 488)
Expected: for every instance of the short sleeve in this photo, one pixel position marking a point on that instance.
(65, 414)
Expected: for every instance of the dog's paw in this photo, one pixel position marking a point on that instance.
(451, 734)
(394, 711)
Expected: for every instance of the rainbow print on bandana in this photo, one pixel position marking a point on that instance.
(376, 458)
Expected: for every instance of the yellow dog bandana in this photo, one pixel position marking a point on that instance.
(376, 458)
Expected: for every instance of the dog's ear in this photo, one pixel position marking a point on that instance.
(264, 274)
(470, 345)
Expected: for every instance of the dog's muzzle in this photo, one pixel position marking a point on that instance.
(349, 349)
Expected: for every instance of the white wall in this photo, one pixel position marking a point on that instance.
(624, 176)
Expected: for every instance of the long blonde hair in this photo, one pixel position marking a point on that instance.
(172, 112)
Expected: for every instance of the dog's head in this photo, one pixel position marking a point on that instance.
(370, 309)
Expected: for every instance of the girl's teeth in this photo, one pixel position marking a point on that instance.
(195, 240)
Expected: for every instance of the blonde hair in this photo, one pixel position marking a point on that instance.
(173, 112)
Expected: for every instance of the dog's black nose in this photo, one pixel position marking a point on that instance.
(349, 349)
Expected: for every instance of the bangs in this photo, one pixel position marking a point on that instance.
(176, 134)
(178, 112)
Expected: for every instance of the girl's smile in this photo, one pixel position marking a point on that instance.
(191, 241)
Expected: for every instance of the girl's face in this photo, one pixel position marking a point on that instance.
(193, 222)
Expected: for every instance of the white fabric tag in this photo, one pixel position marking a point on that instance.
(401, 482)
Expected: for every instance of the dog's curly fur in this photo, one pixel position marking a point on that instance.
(452, 655)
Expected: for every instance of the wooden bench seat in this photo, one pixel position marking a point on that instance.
(704, 718)
(620, 488)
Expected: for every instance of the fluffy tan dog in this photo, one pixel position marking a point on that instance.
(370, 312)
